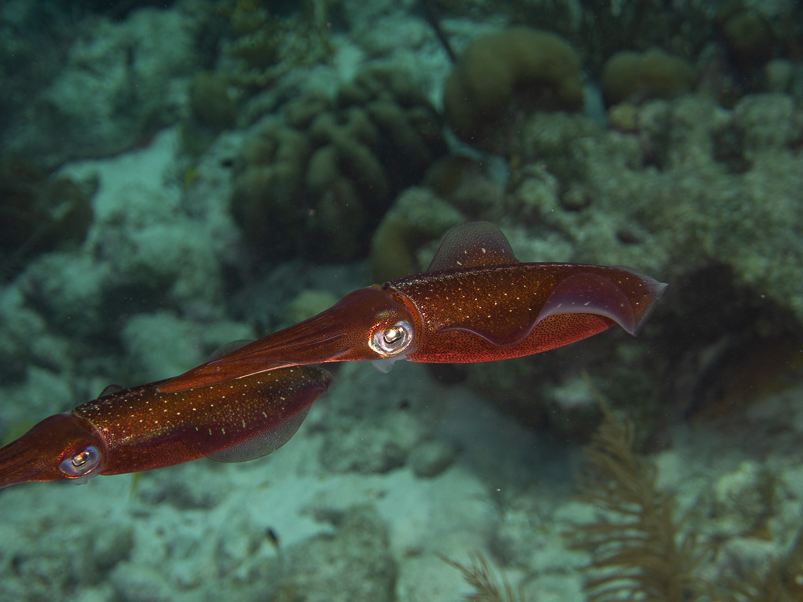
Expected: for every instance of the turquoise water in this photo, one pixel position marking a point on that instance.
(174, 178)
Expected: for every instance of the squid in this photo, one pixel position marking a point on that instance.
(475, 303)
(142, 428)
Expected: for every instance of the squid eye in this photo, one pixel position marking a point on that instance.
(394, 340)
(82, 463)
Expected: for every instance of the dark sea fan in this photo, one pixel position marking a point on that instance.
(637, 551)
(486, 586)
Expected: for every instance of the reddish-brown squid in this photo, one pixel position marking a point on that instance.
(141, 428)
(475, 303)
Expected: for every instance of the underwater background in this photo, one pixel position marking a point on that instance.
(177, 176)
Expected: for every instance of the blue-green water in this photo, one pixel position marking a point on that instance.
(173, 178)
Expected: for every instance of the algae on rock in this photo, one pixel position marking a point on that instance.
(686, 190)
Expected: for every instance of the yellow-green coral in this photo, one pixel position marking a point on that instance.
(651, 74)
(519, 68)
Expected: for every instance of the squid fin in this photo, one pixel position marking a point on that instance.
(263, 444)
(229, 348)
(473, 245)
(110, 390)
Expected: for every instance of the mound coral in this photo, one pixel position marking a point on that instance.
(521, 68)
(638, 76)
(748, 34)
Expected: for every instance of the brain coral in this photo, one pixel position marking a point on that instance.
(320, 185)
(521, 68)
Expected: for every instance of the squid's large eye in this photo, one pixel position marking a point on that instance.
(394, 340)
(81, 463)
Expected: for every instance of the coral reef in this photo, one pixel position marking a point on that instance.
(132, 268)
(638, 548)
(140, 254)
(33, 38)
(714, 167)
(597, 31)
(376, 448)
(353, 565)
(266, 46)
(742, 501)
